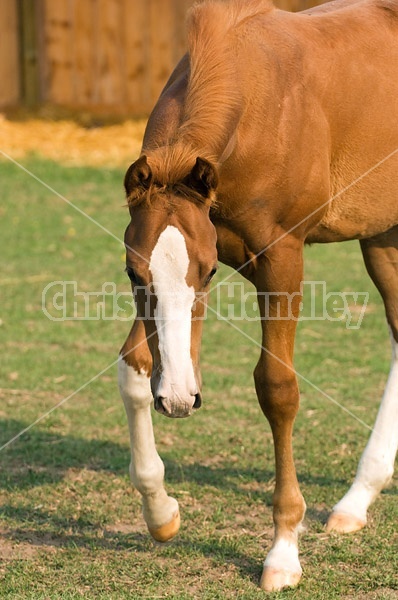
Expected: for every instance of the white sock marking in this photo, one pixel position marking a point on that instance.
(376, 466)
(146, 467)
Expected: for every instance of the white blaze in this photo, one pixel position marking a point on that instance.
(169, 266)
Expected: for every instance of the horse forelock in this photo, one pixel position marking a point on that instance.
(168, 196)
(170, 165)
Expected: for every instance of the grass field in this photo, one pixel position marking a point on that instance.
(70, 526)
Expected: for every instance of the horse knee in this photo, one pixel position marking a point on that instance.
(134, 386)
(277, 390)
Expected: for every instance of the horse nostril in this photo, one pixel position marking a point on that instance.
(198, 401)
(159, 404)
(164, 407)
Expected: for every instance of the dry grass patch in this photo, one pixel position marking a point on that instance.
(69, 143)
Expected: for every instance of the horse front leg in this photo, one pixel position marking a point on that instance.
(278, 282)
(146, 467)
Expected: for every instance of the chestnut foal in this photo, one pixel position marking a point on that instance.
(276, 129)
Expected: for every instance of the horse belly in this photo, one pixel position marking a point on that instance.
(362, 113)
(361, 206)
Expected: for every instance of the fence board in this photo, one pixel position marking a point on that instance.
(112, 56)
(9, 63)
(109, 50)
(180, 10)
(137, 39)
(58, 52)
(85, 71)
(161, 43)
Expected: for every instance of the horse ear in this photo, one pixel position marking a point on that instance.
(203, 178)
(138, 174)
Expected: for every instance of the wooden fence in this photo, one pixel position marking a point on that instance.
(109, 56)
(9, 60)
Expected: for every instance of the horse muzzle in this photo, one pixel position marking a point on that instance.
(177, 407)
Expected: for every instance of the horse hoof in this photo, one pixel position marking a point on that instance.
(274, 580)
(344, 523)
(168, 531)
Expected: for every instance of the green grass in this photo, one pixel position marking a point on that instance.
(70, 526)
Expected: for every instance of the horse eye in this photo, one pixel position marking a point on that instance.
(211, 275)
(131, 275)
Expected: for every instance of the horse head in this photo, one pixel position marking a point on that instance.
(171, 258)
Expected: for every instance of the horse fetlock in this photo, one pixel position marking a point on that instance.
(147, 478)
(374, 474)
(289, 510)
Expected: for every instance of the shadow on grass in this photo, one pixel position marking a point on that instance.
(40, 457)
(82, 534)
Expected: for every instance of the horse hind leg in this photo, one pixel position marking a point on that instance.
(146, 467)
(376, 466)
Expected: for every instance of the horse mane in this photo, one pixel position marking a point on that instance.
(390, 9)
(213, 101)
(212, 68)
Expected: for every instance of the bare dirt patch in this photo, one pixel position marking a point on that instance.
(19, 549)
